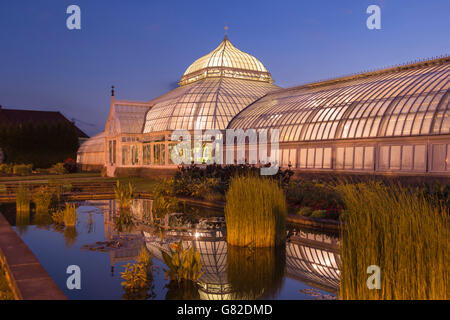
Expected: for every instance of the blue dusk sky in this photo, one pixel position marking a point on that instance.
(144, 46)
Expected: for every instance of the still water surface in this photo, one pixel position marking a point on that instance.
(307, 268)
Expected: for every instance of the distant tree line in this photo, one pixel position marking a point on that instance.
(39, 144)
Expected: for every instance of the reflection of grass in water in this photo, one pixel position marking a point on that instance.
(123, 220)
(404, 234)
(70, 215)
(185, 290)
(255, 272)
(70, 236)
(42, 218)
(22, 221)
(124, 194)
(22, 200)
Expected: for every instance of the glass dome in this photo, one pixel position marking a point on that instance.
(203, 105)
(226, 61)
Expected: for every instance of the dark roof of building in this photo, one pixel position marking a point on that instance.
(15, 116)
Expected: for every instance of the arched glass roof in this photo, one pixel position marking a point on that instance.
(404, 101)
(207, 104)
(226, 61)
(93, 144)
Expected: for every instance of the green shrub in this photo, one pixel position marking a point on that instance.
(6, 168)
(305, 211)
(402, 232)
(124, 194)
(321, 214)
(22, 169)
(313, 194)
(22, 199)
(42, 198)
(58, 168)
(213, 196)
(39, 144)
(195, 181)
(255, 212)
(67, 187)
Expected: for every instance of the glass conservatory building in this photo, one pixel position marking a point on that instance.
(390, 121)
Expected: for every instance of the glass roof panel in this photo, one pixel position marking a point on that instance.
(403, 101)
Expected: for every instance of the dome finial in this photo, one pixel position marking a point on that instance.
(226, 32)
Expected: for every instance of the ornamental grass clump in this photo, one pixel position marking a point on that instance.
(22, 200)
(124, 194)
(255, 212)
(42, 199)
(402, 232)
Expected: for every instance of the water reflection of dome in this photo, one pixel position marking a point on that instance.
(310, 258)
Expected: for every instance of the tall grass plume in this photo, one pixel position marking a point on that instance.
(255, 212)
(22, 200)
(403, 233)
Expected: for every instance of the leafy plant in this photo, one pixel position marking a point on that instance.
(135, 276)
(183, 264)
(58, 217)
(305, 211)
(321, 214)
(313, 194)
(58, 168)
(42, 198)
(164, 205)
(70, 165)
(124, 194)
(22, 169)
(138, 277)
(6, 168)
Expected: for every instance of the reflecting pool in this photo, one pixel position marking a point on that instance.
(306, 268)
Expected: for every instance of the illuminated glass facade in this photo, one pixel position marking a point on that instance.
(395, 120)
(390, 120)
(205, 104)
(92, 151)
(400, 103)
